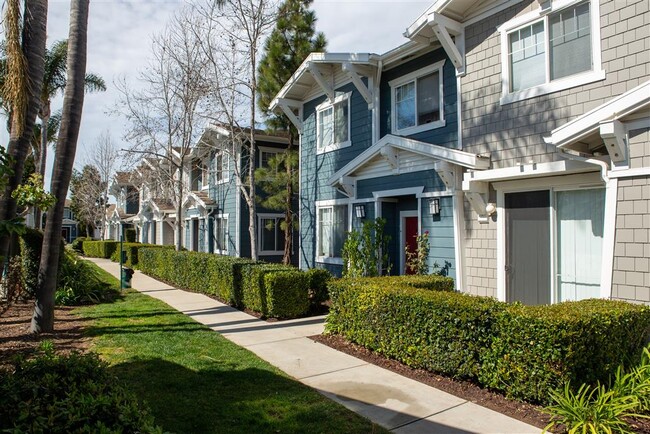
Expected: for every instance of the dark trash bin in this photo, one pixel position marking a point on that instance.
(127, 275)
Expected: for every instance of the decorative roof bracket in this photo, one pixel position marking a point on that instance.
(320, 77)
(442, 27)
(355, 74)
(288, 106)
(613, 135)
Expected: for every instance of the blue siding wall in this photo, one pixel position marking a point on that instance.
(441, 234)
(444, 136)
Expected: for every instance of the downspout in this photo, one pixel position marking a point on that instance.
(604, 168)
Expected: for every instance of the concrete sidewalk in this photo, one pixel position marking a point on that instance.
(389, 399)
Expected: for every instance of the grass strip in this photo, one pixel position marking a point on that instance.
(196, 381)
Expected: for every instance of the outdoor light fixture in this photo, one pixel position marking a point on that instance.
(434, 207)
(360, 211)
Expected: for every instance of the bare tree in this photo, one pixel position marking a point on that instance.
(231, 37)
(87, 194)
(104, 157)
(163, 115)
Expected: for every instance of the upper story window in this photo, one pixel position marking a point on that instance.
(266, 154)
(67, 214)
(221, 169)
(333, 124)
(558, 51)
(417, 100)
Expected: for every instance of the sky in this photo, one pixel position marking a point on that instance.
(119, 42)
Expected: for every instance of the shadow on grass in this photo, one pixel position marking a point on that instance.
(219, 398)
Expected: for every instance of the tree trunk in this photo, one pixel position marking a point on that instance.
(66, 147)
(33, 46)
(288, 215)
(42, 160)
(179, 211)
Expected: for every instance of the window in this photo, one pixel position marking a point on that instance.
(205, 175)
(559, 51)
(271, 236)
(266, 154)
(417, 100)
(333, 124)
(332, 227)
(67, 214)
(220, 230)
(221, 162)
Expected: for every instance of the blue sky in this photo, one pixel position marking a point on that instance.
(119, 36)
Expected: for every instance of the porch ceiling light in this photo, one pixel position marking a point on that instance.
(434, 207)
(360, 211)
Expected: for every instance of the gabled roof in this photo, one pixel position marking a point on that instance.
(201, 198)
(386, 147)
(633, 101)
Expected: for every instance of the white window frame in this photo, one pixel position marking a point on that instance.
(267, 150)
(540, 14)
(412, 77)
(261, 228)
(330, 204)
(214, 233)
(325, 106)
(205, 173)
(225, 167)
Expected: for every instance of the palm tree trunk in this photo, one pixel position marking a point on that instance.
(66, 147)
(42, 160)
(33, 47)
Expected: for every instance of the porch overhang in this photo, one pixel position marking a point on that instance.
(602, 131)
(389, 156)
(199, 201)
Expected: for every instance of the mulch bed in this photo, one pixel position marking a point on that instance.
(15, 337)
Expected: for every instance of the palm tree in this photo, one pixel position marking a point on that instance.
(54, 81)
(21, 90)
(66, 147)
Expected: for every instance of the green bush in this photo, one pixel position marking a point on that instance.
(31, 243)
(100, 249)
(131, 250)
(129, 235)
(432, 282)
(65, 394)
(202, 272)
(275, 290)
(79, 284)
(537, 349)
(318, 280)
(441, 331)
(77, 244)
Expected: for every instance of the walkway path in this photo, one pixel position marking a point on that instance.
(389, 399)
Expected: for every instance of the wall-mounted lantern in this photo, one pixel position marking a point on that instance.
(360, 211)
(434, 207)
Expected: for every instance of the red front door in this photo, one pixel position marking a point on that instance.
(410, 238)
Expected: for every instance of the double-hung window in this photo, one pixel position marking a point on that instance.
(555, 52)
(418, 100)
(221, 161)
(332, 229)
(333, 124)
(220, 230)
(266, 154)
(271, 237)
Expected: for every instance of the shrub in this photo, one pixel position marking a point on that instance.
(281, 296)
(432, 282)
(100, 249)
(131, 250)
(31, 242)
(71, 393)
(441, 331)
(129, 235)
(79, 284)
(202, 272)
(318, 280)
(538, 349)
(77, 244)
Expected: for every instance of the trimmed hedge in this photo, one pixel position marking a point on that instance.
(100, 249)
(275, 290)
(525, 351)
(537, 349)
(318, 280)
(441, 331)
(202, 272)
(129, 235)
(131, 250)
(77, 244)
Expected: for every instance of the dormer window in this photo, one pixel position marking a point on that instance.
(333, 124)
(418, 100)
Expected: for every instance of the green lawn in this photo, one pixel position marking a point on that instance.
(196, 381)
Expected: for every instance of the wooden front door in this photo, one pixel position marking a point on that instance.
(410, 239)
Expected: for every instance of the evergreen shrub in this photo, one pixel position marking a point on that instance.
(285, 295)
(31, 243)
(129, 235)
(77, 244)
(318, 280)
(131, 250)
(100, 249)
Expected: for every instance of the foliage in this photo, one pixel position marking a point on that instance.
(537, 349)
(417, 261)
(524, 351)
(129, 235)
(202, 272)
(131, 252)
(13, 287)
(68, 393)
(196, 381)
(635, 382)
(33, 194)
(275, 290)
(318, 280)
(87, 195)
(100, 249)
(78, 283)
(366, 253)
(14, 225)
(30, 242)
(77, 244)
(592, 410)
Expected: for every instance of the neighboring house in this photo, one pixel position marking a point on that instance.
(216, 215)
(124, 188)
(528, 121)
(70, 227)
